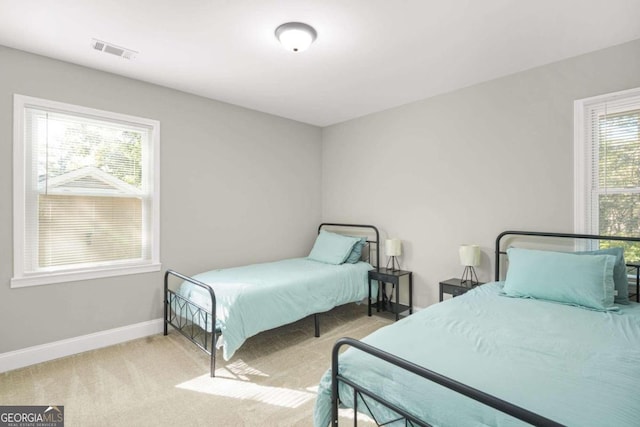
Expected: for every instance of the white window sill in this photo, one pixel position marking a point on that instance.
(72, 276)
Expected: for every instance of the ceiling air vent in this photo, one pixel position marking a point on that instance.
(122, 52)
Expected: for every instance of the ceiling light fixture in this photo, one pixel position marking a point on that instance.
(296, 36)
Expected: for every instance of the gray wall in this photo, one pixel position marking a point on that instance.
(461, 167)
(237, 187)
(240, 186)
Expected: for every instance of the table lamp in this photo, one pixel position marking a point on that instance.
(393, 249)
(469, 258)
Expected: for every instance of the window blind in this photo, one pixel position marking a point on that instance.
(613, 139)
(87, 191)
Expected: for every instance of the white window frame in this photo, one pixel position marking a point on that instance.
(20, 277)
(583, 155)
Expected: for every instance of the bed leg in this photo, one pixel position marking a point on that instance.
(214, 341)
(316, 320)
(166, 318)
(166, 302)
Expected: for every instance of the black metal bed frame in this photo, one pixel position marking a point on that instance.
(186, 316)
(475, 394)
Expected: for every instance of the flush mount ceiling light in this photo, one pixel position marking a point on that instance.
(296, 36)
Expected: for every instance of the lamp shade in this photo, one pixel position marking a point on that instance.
(470, 255)
(393, 247)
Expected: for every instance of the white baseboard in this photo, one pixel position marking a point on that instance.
(45, 352)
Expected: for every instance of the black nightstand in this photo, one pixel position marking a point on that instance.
(384, 276)
(455, 287)
(637, 274)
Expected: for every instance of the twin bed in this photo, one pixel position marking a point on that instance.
(550, 345)
(222, 308)
(554, 342)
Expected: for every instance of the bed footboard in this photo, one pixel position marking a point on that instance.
(190, 319)
(402, 415)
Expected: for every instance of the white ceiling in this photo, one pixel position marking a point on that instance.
(370, 55)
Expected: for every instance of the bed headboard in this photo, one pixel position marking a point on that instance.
(358, 230)
(571, 238)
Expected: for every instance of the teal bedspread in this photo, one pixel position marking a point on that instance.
(254, 298)
(575, 366)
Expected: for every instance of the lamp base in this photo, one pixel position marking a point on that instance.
(469, 276)
(393, 260)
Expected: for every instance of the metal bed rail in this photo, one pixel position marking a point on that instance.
(403, 415)
(188, 318)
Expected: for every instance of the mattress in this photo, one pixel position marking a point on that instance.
(575, 366)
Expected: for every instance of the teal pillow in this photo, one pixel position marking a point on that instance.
(356, 252)
(620, 280)
(580, 280)
(332, 248)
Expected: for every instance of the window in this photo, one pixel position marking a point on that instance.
(86, 188)
(607, 167)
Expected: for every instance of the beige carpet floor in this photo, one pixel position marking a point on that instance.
(164, 381)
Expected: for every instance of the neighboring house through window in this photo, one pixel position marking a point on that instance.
(86, 189)
(607, 167)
